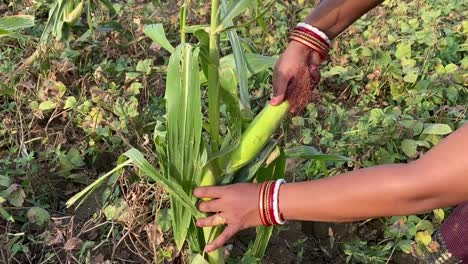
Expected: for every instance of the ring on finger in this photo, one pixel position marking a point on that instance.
(219, 220)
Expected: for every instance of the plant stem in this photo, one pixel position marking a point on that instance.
(213, 78)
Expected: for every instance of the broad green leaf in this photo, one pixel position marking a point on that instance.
(144, 66)
(4, 181)
(410, 146)
(236, 8)
(423, 238)
(164, 219)
(13, 23)
(415, 125)
(307, 152)
(15, 195)
(437, 129)
(184, 127)
(403, 50)
(38, 216)
(70, 103)
(425, 225)
(449, 68)
(156, 33)
(405, 245)
(47, 105)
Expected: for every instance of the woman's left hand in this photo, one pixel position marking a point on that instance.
(235, 205)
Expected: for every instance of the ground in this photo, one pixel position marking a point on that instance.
(395, 84)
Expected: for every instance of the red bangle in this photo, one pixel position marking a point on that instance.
(266, 205)
(306, 43)
(260, 204)
(271, 211)
(309, 38)
(313, 34)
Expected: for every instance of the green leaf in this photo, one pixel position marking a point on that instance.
(410, 146)
(425, 225)
(47, 105)
(403, 50)
(70, 103)
(415, 125)
(13, 23)
(450, 68)
(169, 184)
(184, 127)
(156, 33)
(144, 66)
(235, 8)
(241, 66)
(15, 195)
(164, 219)
(117, 211)
(423, 238)
(405, 246)
(199, 259)
(4, 181)
(6, 215)
(307, 152)
(437, 129)
(38, 216)
(439, 215)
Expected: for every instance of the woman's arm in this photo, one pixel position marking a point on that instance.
(438, 179)
(334, 16)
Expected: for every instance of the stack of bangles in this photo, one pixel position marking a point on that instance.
(313, 38)
(269, 203)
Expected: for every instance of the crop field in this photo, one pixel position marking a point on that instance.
(111, 112)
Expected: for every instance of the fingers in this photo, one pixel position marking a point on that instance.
(280, 83)
(208, 192)
(214, 220)
(229, 232)
(210, 206)
(314, 68)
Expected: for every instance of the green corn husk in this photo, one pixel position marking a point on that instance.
(257, 135)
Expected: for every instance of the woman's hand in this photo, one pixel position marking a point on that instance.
(294, 59)
(236, 205)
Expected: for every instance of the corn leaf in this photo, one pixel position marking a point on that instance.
(184, 127)
(236, 8)
(170, 185)
(241, 66)
(156, 33)
(13, 23)
(307, 152)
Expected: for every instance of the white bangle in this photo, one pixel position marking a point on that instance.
(276, 213)
(315, 30)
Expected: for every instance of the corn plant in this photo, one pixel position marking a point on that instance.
(185, 159)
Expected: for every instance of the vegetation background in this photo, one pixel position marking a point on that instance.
(395, 85)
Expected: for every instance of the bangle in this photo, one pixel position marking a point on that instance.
(315, 30)
(310, 45)
(313, 41)
(278, 219)
(269, 203)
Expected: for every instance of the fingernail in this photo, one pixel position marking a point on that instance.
(274, 101)
(313, 67)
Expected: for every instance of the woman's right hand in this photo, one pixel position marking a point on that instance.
(294, 59)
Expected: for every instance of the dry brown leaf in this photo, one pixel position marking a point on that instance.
(73, 243)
